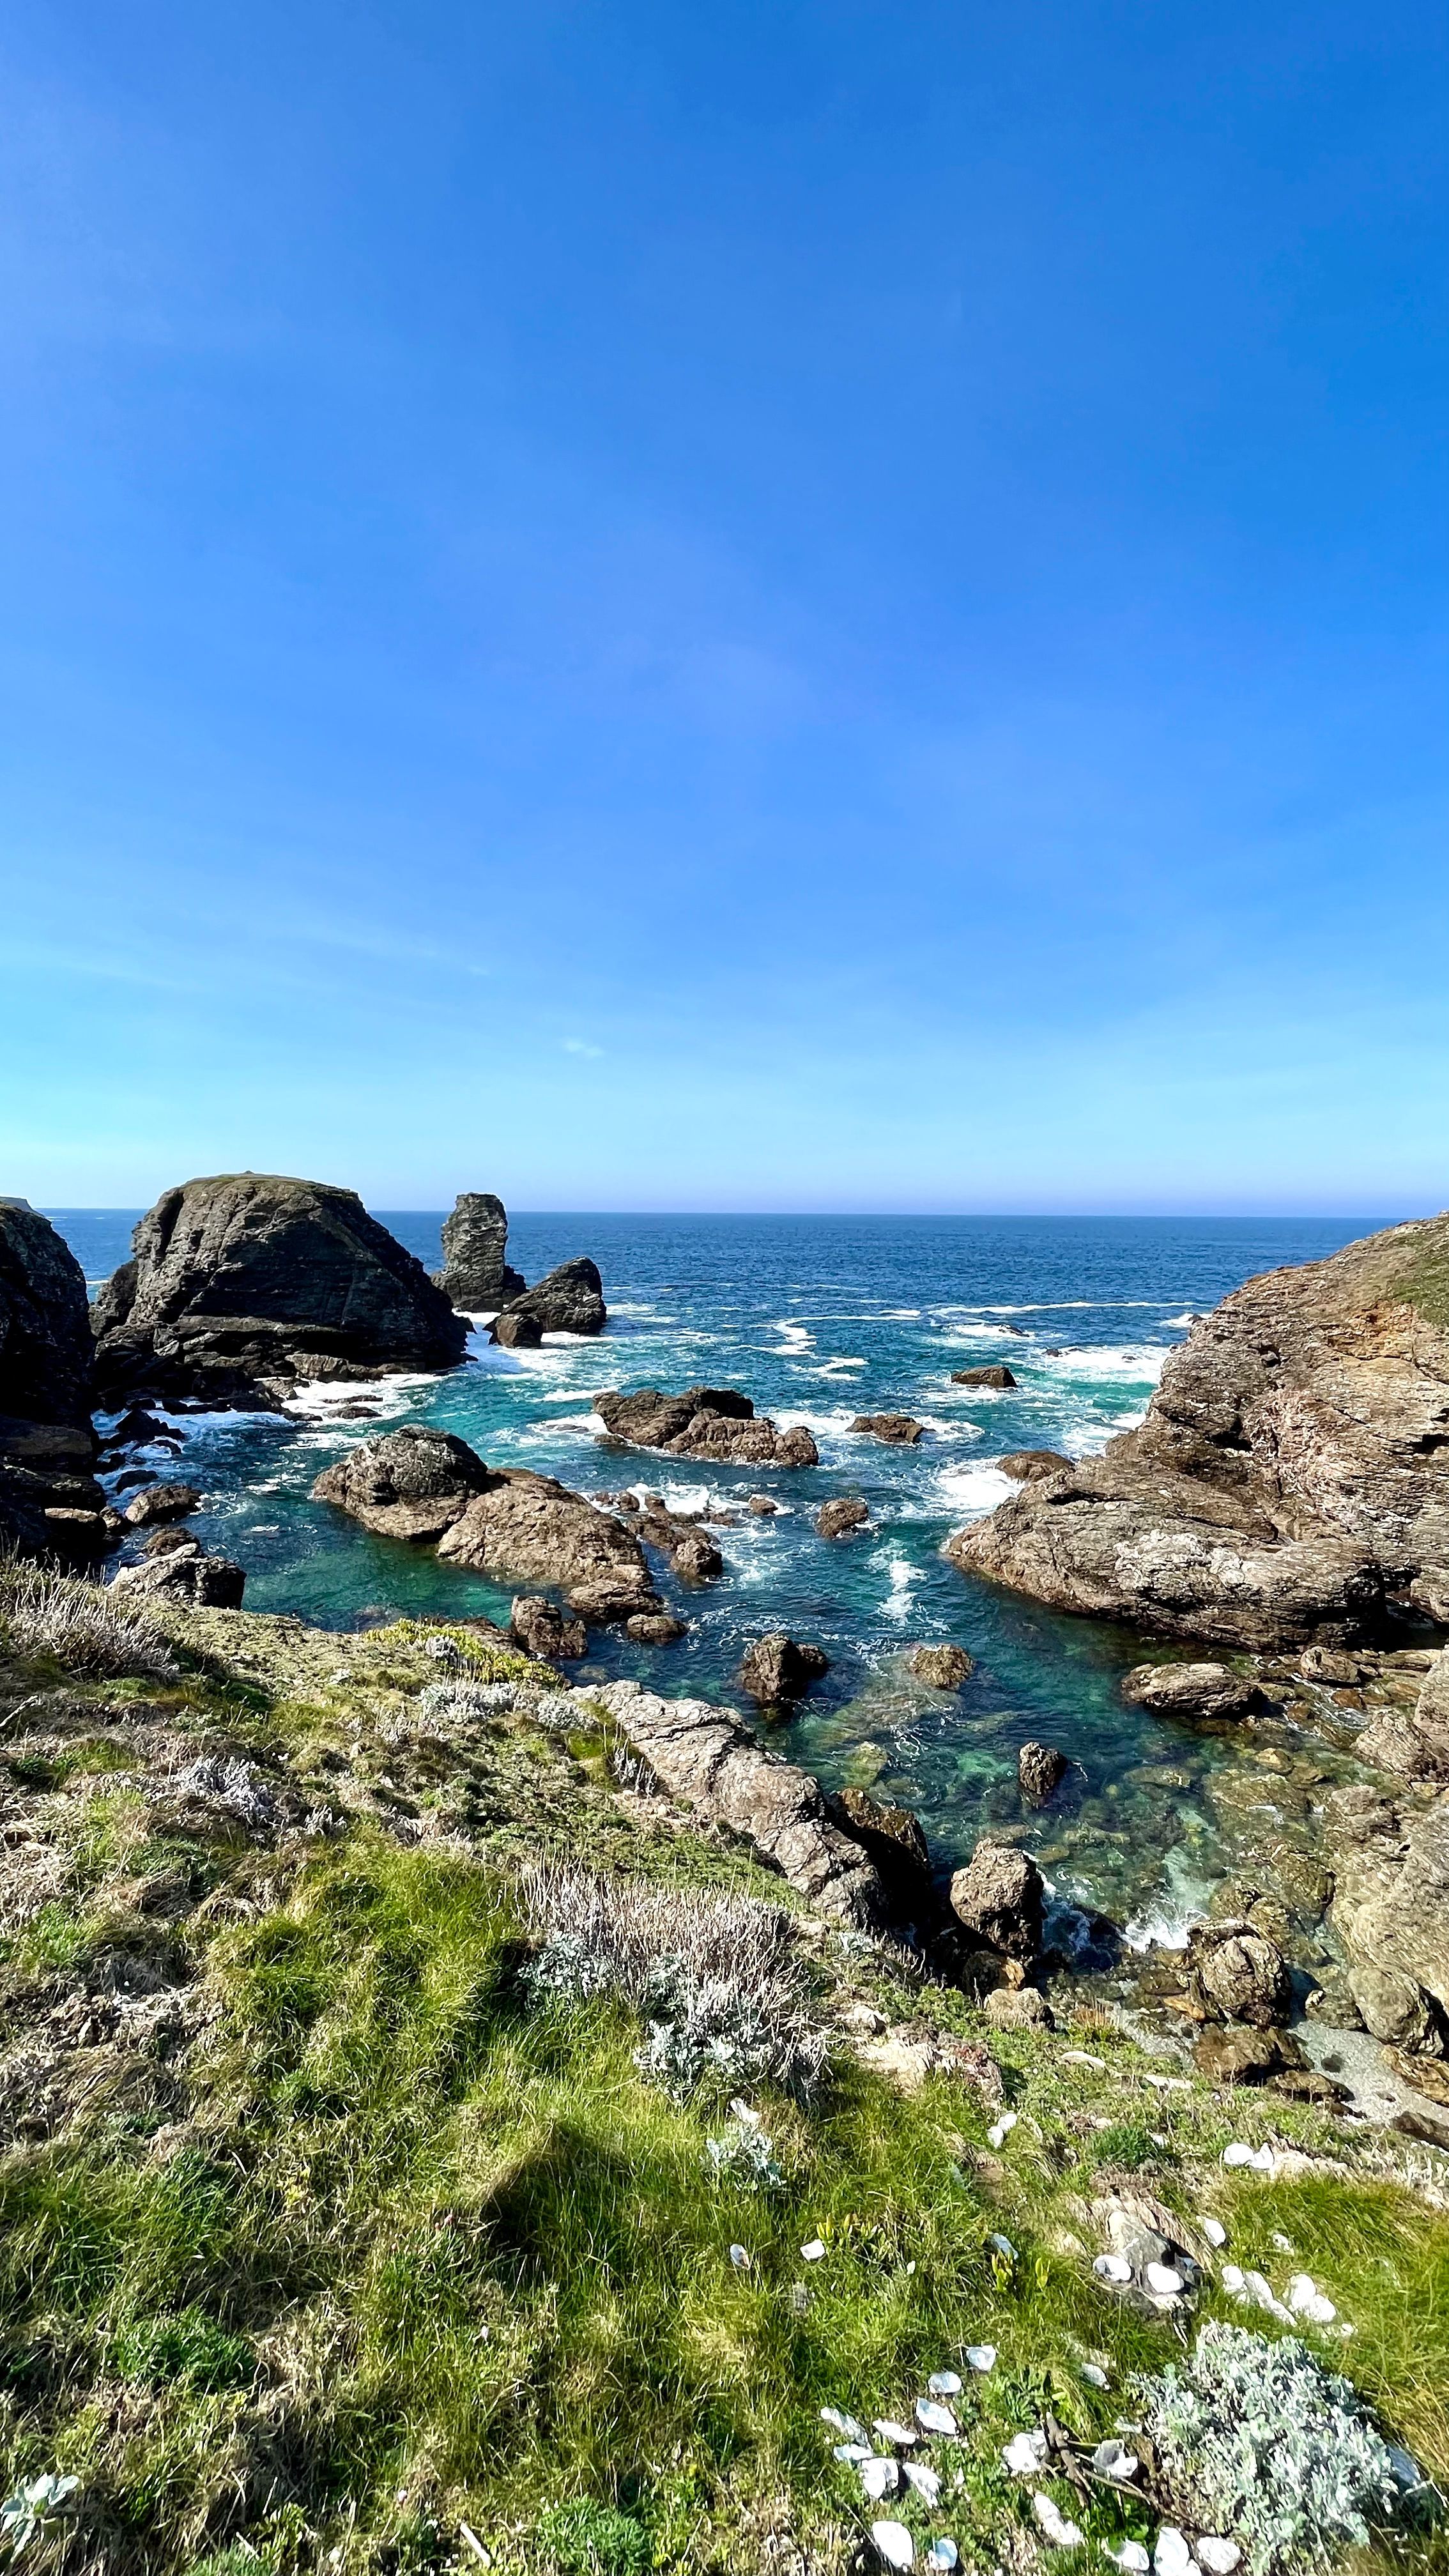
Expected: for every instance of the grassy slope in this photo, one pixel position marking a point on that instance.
(379, 2251)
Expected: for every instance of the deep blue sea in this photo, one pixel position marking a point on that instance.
(818, 1319)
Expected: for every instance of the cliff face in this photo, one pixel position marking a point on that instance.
(243, 1285)
(1291, 1479)
(49, 1500)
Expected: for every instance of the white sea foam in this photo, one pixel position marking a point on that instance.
(1133, 1363)
(901, 1599)
(1178, 1323)
(970, 1491)
(1166, 1918)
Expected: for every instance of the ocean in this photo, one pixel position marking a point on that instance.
(820, 1319)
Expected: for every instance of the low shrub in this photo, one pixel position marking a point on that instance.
(78, 1623)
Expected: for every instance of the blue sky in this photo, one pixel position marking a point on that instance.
(771, 606)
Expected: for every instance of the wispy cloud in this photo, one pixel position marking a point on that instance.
(580, 1046)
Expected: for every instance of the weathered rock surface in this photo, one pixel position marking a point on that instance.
(943, 1667)
(996, 1375)
(1235, 1973)
(1242, 2055)
(475, 1275)
(1291, 1476)
(526, 1527)
(1414, 1743)
(541, 1629)
(1040, 1771)
(1033, 1466)
(893, 1838)
(1397, 2010)
(704, 1422)
(707, 1759)
(1192, 1690)
(184, 1573)
(161, 1503)
(569, 1300)
(999, 1896)
(655, 1628)
(412, 1483)
(900, 1430)
(847, 1512)
(1391, 1885)
(50, 1503)
(778, 1669)
(243, 1286)
(514, 1332)
(1018, 2008)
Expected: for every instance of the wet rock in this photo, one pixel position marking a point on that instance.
(569, 1300)
(655, 1628)
(185, 1574)
(412, 1483)
(1290, 1478)
(763, 1507)
(715, 1422)
(242, 1286)
(996, 1375)
(1327, 1665)
(516, 1332)
(475, 1273)
(1040, 1771)
(1396, 2010)
(161, 1503)
(942, 1667)
(900, 1430)
(846, 1513)
(779, 1669)
(707, 1759)
(999, 1896)
(1018, 2008)
(1033, 1466)
(696, 1558)
(893, 1839)
(1244, 2056)
(1235, 1973)
(541, 1630)
(522, 1525)
(164, 1542)
(1192, 1690)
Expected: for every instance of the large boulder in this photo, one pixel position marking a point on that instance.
(942, 1667)
(898, 1430)
(50, 1502)
(707, 1759)
(569, 1300)
(777, 1670)
(715, 1422)
(184, 1573)
(836, 1519)
(242, 1287)
(522, 1527)
(1192, 1690)
(475, 1275)
(1040, 1771)
(1414, 1743)
(156, 1503)
(1390, 1862)
(996, 1375)
(1235, 1973)
(1290, 1479)
(541, 1629)
(412, 1483)
(1000, 1897)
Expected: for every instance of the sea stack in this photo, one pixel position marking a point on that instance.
(242, 1287)
(1290, 1482)
(475, 1274)
(50, 1502)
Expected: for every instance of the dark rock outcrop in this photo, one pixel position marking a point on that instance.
(999, 1897)
(541, 1629)
(516, 1332)
(892, 1838)
(244, 1286)
(1040, 1771)
(50, 1503)
(184, 1573)
(1291, 1476)
(777, 1670)
(569, 1300)
(655, 1628)
(708, 1760)
(412, 1483)
(527, 1527)
(899, 1430)
(705, 1422)
(156, 1503)
(475, 1275)
(847, 1512)
(1192, 1690)
(1235, 1973)
(943, 1667)
(997, 1375)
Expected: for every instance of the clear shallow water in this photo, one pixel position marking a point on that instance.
(819, 1319)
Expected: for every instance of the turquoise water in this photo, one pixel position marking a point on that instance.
(819, 1319)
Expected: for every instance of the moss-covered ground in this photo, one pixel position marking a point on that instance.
(326, 2243)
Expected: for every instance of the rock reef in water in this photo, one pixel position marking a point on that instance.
(704, 1422)
(569, 1300)
(50, 1502)
(413, 1483)
(475, 1275)
(1291, 1479)
(242, 1287)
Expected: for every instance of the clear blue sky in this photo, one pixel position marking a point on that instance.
(776, 606)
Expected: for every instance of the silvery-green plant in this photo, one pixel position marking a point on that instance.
(1263, 2445)
(24, 2515)
(743, 2154)
(459, 1699)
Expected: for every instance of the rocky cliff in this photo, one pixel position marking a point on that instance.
(242, 1286)
(49, 1500)
(1291, 1479)
(476, 1276)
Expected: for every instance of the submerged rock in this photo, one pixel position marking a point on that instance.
(942, 1667)
(1290, 1479)
(999, 1897)
(704, 1422)
(1040, 1771)
(412, 1483)
(246, 1285)
(778, 1669)
(475, 1272)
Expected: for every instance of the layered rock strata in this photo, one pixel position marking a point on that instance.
(476, 1275)
(50, 1503)
(1291, 1480)
(242, 1287)
(704, 1422)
